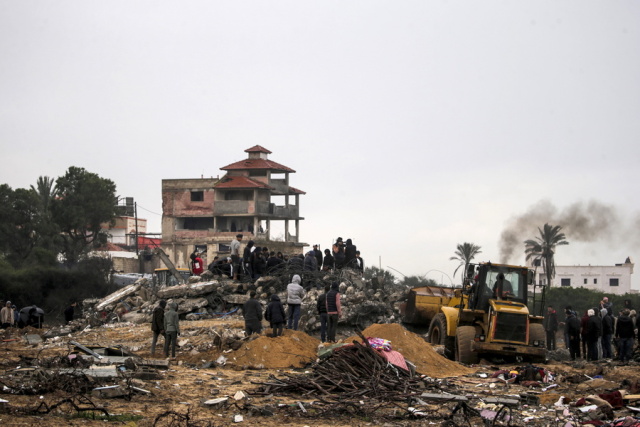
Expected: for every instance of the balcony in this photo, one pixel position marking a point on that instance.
(263, 209)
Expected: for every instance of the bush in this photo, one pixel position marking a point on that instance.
(53, 288)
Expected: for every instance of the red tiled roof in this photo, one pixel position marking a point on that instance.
(240, 182)
(293, 190)
(257, 149)
(257, 164)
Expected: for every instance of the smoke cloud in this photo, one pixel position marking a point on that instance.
(580, 222)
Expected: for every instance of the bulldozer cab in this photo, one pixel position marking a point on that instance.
(499, 282)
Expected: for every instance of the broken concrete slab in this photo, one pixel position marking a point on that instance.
(33, 339)
(117, 296)
(108, 392)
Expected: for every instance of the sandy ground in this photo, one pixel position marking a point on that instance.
(186, 385)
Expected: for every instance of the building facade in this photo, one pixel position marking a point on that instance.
(614, 279)
(206, 214)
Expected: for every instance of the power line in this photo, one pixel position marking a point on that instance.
(145, 209)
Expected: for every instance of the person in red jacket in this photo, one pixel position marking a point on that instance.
(197, 265)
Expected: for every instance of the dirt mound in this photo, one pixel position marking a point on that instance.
(294, 349)
(415, 349)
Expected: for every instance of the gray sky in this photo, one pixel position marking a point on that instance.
(413, 126)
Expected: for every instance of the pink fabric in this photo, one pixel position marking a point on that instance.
(394, 358)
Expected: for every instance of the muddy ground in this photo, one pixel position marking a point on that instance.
(176, 397)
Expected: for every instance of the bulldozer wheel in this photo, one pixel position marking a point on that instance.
(537, 333)
(438, 329)
(464, 340)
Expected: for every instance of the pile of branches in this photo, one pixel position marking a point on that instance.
(351, 372)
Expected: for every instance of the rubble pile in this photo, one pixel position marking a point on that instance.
(207, 296)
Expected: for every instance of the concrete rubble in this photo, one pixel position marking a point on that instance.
(207, 296)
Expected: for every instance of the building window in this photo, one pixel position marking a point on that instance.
(222, 248)
(194, 223)
(565, 282)
(595, 281)
(197, 196)
(585, 281)
(613, 282)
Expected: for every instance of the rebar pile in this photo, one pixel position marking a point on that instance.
(351, 372)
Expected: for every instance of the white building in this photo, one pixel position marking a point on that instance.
(614, 279)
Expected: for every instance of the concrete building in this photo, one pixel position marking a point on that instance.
(615, 279)
(205, 214)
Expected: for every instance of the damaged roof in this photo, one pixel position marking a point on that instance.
(257, 164)
(240, 182)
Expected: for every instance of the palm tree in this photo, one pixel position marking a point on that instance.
(464, 254)
(46, 190)
(542, 250)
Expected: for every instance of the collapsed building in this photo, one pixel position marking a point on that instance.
(205, 214)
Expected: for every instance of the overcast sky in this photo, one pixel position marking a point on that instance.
(413, 126)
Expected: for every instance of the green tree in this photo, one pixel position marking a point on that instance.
(84, 203)
(542, 250)
(18, 224)
(465, 253)
(370, 272)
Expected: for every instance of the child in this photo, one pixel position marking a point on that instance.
(275, 315)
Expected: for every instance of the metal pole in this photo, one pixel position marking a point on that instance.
(135, 212)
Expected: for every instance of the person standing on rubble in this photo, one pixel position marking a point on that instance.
(69, 312)
(157, 324)
(275, 315)
(252, 313)
(328, 262)
(350, 254)
(338, 253)
(359, 262)
(197, 265)
(246, 259)
(322, 312)
(6, 316)
(626, 334)
(551, 327)
(607, 333)
(235, 255)
(572, 325)
(295, 293)
(309, 268)
(318, 253)
(594, 330)
(171, 330)
(334, 311)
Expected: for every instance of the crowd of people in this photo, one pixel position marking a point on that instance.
(254, 261)
(598, 334)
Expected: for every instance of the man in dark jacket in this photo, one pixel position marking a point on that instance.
(322, 311)
(334, 311)
(594, 331)
(252, 312)
(157, 324)
(69, 312)
(318, 253)
(626, 336)
(573, 333)
(274, 264)
(607, 333)
(350, 254)
(551, 327)
(327, 262)
(275, 315)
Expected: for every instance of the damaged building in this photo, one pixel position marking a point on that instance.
(205, 214)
